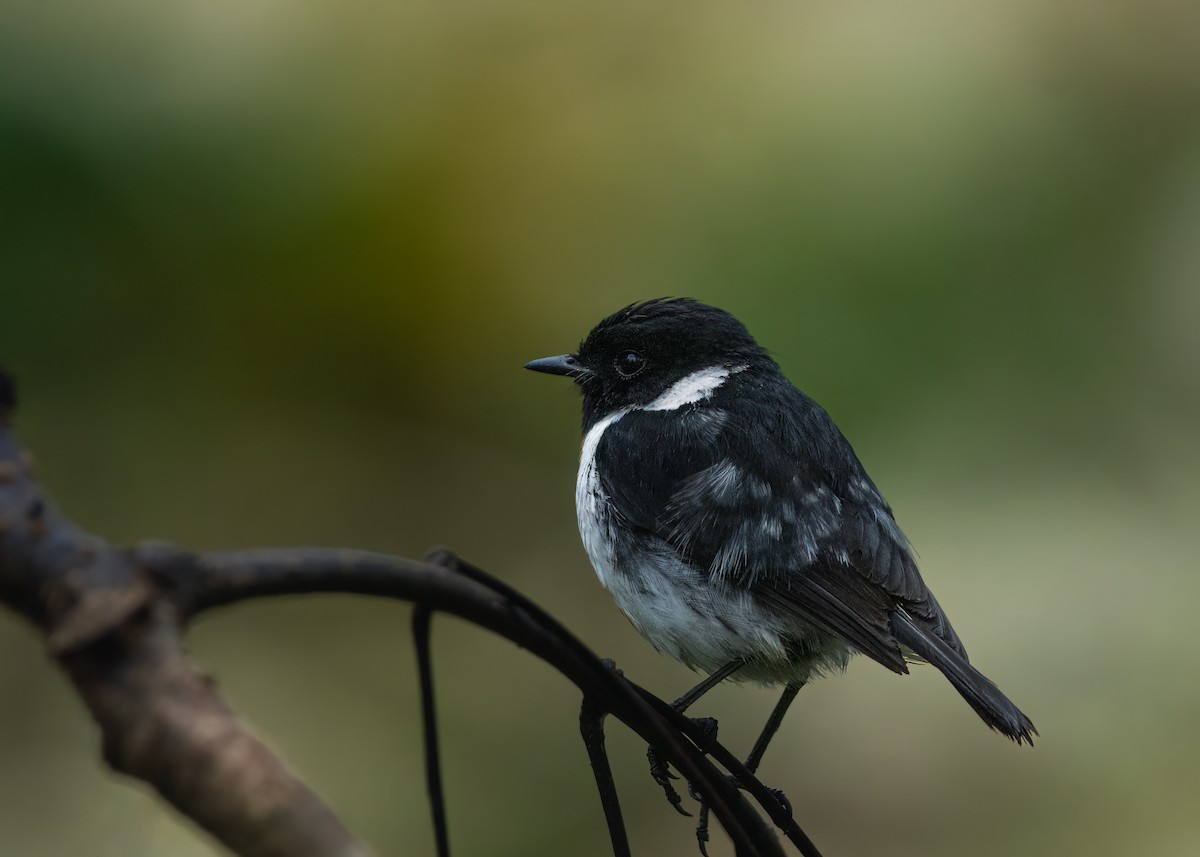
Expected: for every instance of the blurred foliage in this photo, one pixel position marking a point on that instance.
(269, 272)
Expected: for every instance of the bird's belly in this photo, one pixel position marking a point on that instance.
(701, 622)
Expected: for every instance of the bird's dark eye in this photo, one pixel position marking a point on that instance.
(629, 363)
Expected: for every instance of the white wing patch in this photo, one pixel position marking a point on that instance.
(723, 482)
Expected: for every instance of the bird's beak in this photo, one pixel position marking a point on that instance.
(563, 364)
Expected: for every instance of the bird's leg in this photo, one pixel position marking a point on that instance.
(685, 702)
(773, 723)
(768, 732)
(659, 769)
(753, 760)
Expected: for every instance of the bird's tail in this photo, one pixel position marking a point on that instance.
(996, 710)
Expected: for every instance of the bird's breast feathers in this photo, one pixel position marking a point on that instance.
(699, 620)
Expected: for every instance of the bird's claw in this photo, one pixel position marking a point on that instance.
(702, 830)
(660, 771)
(662, 775)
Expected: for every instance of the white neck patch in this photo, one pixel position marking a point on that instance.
(693, 388)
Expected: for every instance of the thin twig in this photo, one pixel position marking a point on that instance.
(433, 771)
(591, 727)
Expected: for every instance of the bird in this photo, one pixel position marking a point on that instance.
(732, 522)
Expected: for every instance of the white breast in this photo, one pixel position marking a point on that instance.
(591, 504)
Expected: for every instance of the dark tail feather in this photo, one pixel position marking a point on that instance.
(989, 703)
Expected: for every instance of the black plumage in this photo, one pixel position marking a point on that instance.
(731, 518)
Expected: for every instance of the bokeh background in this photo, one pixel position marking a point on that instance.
(269, 271)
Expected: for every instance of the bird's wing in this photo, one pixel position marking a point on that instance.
(777, 505)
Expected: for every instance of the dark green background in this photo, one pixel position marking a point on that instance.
(269, 271)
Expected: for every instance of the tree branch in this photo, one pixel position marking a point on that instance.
(161, 719)
(115, 618)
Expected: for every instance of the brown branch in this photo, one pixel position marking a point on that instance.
(114, 619)
(160, 718)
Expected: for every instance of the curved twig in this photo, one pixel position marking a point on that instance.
(205, 581)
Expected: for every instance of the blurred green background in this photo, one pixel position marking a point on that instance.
(269, 272)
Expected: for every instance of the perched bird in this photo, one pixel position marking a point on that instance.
(733, 523)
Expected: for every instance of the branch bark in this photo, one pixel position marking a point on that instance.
(161, 720)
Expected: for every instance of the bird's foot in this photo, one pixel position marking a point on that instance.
(702, 820)
(661, 771)
(783, 800)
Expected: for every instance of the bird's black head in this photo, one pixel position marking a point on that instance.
(638, 354)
